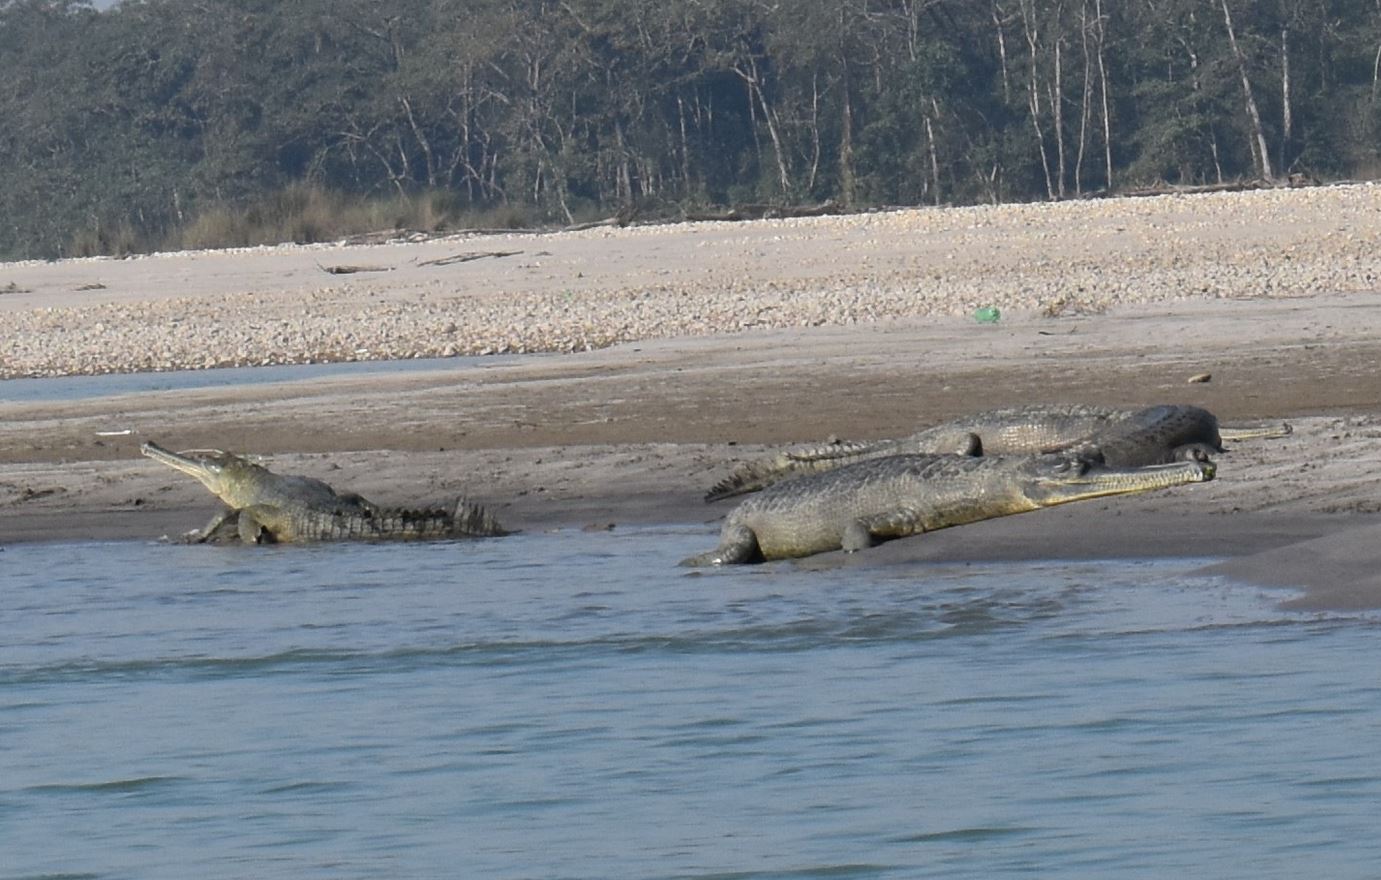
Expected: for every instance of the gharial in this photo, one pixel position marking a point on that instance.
(1117, 437)
(268, 508)
(860, 504)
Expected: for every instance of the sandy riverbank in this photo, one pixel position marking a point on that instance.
(854, 326)
(581, 290)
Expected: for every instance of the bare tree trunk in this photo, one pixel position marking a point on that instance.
(1286, 120)
(913, 29)
(395, 177)
(1375, 72)
(1057, 110)
(623, 182)
(1034, 96)
(1258, 133)
(422, 142)
(846, 141)
(750, 77)
(1103, 90)
(815, 148)
(1198, 89)
(1376, 63)
(777, 148)
(753, 119)
(934, 160)
(1002, 54)
(462, 118)
(991, 182)
(1084, 99)
(406, 173)
(685, 148)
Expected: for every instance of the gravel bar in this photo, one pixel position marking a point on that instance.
(575, 291)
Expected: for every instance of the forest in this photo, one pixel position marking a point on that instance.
(172, 123)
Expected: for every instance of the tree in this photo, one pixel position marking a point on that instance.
(1261, 152)
(123, 126)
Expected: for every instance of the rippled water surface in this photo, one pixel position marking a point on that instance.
(572, 705)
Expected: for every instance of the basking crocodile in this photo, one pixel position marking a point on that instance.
(1117, 437)
(269, 508)
(859, 504)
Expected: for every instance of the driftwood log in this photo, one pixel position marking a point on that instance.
(763, 212)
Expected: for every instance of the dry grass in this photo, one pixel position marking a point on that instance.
(304, 214)
(117, 240)
(301, 214)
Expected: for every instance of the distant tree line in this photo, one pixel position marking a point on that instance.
(120, 127)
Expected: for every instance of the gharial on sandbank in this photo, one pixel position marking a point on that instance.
(860, 504)
(1111, 436)
(268, 508)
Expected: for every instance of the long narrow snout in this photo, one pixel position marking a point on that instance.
(1079, 481)
(189, 463)
(206, 466)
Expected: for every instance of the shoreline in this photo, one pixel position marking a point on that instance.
(858, 328)
(513, 438)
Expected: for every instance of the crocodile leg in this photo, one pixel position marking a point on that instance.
(737, 545)
(1192, 452)
(215, 529)
(864, 533)
(857, 536)
(252, 529)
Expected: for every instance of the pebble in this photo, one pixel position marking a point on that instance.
(1044, 261)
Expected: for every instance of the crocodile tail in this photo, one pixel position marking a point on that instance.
(753, 476)
(750, 476)
(832, 450)
(472, 519)
(1266, 432)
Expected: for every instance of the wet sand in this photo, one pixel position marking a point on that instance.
(636, 432)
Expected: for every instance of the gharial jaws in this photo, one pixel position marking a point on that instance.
(267, 508)
(858, 505)
(1117, 437)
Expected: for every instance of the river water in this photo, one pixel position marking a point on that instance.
(573, 705)
(69, 388)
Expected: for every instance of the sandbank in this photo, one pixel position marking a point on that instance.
(705, 344)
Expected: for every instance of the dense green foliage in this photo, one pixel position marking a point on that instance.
(126, 128)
